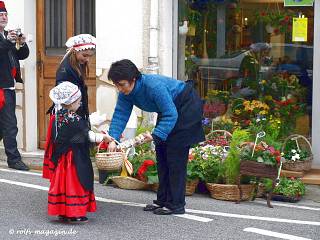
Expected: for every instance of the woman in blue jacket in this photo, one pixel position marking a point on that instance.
(178, 126)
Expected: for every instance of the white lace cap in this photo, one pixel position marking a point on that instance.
(81, 42)
(65, 93)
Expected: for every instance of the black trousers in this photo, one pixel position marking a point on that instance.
(172, 173)
(8, 127)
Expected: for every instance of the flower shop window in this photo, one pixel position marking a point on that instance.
(252, 49)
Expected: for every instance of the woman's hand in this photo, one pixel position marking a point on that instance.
(112, 147)
(107, 138)
(147, 137)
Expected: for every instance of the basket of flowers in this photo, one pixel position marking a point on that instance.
(216, 103)
(109, 161)
(131, 174)
(297, 152)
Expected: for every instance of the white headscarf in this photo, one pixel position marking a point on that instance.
(81, 42)
(64, 93)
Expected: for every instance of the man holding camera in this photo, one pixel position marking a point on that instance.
(12, 49)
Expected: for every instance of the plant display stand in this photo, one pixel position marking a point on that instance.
(251, 168)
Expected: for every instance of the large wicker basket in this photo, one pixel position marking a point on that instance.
(109, 161)
(190, 187)
(129, 183)
(298, 166)
(230, 192)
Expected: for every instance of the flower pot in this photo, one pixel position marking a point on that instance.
(298, 166)
(252, 168)
(190, 187)
(230, 192)
(282, 198)
(269, 28)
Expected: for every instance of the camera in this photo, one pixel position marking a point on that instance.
(18, 32)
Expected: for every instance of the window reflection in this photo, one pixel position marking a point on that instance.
(246, 48)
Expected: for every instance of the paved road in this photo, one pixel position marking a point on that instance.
(23, 198)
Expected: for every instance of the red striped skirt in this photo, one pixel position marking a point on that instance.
(66, 195)
(48, 166)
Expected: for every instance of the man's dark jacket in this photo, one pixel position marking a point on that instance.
(9, 59)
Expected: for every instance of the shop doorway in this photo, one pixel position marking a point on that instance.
(57, 20)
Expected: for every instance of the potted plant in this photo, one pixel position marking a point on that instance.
(275, 21)
(193, 174)
(225, 187)
(216, 103)
(288, 189)
(297, 152)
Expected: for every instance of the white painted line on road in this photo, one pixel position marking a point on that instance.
(268, 219)
(22, 172)
(274, 234)
(24, 184)
(289, 205)
(132, 204)
(256, 201)
(193, 217)
(187, 210)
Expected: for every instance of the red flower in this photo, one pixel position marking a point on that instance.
(278, 159)
(276, 31)
(143, 168)
(263, 14)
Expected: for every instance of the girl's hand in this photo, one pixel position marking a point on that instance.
(112, 146)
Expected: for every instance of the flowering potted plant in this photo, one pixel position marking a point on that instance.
(262, 153)
(244, 111)
(288, 189)
(223, 186)
(216, 103)
(297, 152)
(275, 21)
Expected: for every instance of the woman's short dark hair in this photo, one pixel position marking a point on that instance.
(123, 70)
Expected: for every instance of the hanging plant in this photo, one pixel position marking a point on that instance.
(275, 21)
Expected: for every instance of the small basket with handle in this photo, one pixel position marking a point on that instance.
(298, 165)
(109, 161)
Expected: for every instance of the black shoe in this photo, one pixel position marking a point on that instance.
(151, 207)
(167, 211)
(19, 166)
(63, 218)
(78, 219)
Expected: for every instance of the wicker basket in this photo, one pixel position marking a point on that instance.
(129, 183)
(230, 192)
(222, 132)
(109, 161)
(298, 166)
(190, 187)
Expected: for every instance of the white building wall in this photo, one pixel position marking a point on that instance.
(119, 32)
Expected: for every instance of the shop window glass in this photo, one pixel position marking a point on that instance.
(246, 48)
